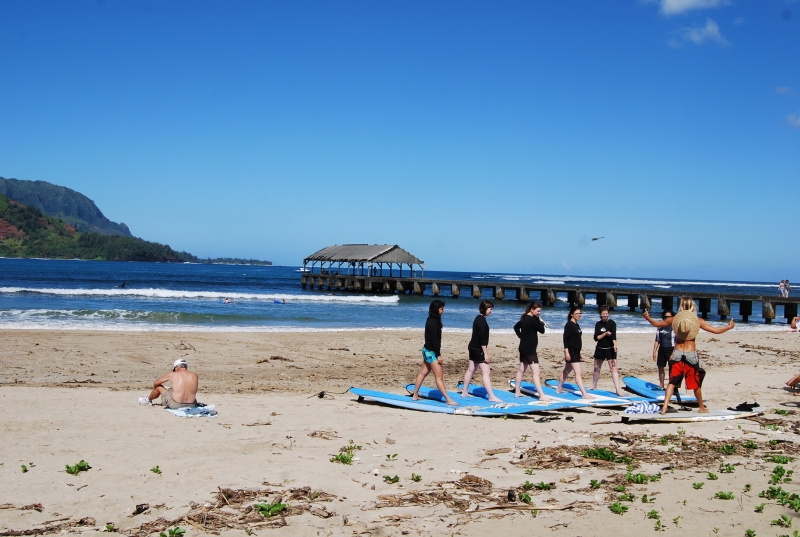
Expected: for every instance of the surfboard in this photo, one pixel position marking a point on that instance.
(553, 383)
(650, 390)
(424, 405)
(530, 389)
(513, 407)
(533, 402)
(712, 415)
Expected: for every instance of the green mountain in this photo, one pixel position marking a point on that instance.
(64, 203)
(25, 231)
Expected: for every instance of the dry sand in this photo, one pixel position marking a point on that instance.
(69, 396)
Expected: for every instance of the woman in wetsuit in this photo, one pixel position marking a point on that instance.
(663, 347)
(528, 329)
(572, 352)
(432, 352)
(684, 362)
(605, 334)
(479, 353)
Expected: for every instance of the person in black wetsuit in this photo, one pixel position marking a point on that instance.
(572, 352)
(663, 347)
(528, 329)
(478, 352)
(432, 352)
(605, 334)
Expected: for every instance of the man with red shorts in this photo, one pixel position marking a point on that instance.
(684, 363)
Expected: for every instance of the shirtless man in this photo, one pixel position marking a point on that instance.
(184, 388)
(684, 362)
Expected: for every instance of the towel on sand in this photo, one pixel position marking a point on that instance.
(642, 407)
(196, 412)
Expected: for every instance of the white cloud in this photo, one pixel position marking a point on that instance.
(786, 90)
(564, 264)
(738, 21)
(698, 36)
(794, 120)
(676, 7)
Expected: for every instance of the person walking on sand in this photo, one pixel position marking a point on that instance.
(183, 393)
(684, 362)
(528, 329)
(572, 352)
(479, 353)
(663, 347)
(432, 352)
(605, 334)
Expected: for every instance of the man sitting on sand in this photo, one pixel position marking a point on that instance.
(184, 388)
(684, 362)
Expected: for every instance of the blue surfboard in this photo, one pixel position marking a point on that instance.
(533, 402)
(648, 389)
(553, 383)
(599, 401)
(513, 407)
(424, 405)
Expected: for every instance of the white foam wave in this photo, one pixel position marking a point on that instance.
(176, 293)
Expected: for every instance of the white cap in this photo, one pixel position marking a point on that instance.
(178, 362)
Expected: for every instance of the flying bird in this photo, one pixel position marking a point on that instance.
(598, 238)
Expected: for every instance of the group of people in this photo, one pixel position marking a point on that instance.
(674, 348)
(528, 328)
(784, 288)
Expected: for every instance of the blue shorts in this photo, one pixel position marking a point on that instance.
(428, 356)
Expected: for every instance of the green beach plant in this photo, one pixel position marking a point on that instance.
(653, 515)
(724, 495)
(619, 488)
(784, 522)
(778, 459)
(697, 486)
(727, 449)
(269, 510)
(177, 531)
(390, 479)
(618, 509)
(543, 486)
(711, 476)
(24, 469)
(156, 470)
(726, 468)
(627, 497)
(524, 497)
(760, 508)
(416, 478)
(749, 444)
(75, 469)
(594, 484)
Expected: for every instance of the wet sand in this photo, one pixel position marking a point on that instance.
(69, 396)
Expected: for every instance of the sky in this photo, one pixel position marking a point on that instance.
(480, 136)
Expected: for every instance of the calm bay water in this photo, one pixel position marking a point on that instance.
(85, 295)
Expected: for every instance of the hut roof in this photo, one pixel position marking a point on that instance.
(372, 253)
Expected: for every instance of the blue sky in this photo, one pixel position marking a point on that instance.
(485, 136)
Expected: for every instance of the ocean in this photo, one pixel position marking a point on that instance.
(86, 295)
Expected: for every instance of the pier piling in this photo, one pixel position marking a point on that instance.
(767, 311)
(705, 307)
(522, 294)
(455, 290)
(476, 291)
(723, 308)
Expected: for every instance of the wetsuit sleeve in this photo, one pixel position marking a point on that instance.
(539, 325)
(518, 329)
(566, 335)
(613, 330)
(483, 332)
(597, 331)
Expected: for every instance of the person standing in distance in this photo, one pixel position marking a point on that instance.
(605, 334)
(528, 329)
(572, 352)
(663, 347)
(432, 353)
(479, 352)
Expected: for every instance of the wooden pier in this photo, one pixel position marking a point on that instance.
(708, 303)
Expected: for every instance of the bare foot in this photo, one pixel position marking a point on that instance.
(561, 390)
(465, 394)
(451, 402)
(496, 400)
(545, 399)
(621, 394)
(703, 410)
(517, 394)
(663, 411)
(416, 398)
(589, 396)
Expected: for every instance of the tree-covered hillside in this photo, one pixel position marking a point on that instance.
(28, 232)
(70, 206)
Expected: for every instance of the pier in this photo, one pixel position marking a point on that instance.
(361, 268)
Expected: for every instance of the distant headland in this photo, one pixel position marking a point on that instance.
(43, 220)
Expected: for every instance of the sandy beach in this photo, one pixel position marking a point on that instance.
(71, 396)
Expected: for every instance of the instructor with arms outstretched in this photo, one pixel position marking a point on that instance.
(684, 362)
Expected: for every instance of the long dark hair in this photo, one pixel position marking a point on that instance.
(485, 305)
(433, 309)
(531, 306)
(572, 310)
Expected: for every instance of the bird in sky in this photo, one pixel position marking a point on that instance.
(598, 238)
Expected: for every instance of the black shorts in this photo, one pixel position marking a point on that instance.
(476, 355)
(663, 356)
(574, 355)
(605, 354)
(528, 358)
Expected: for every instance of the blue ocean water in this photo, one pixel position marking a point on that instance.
(86, 295)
